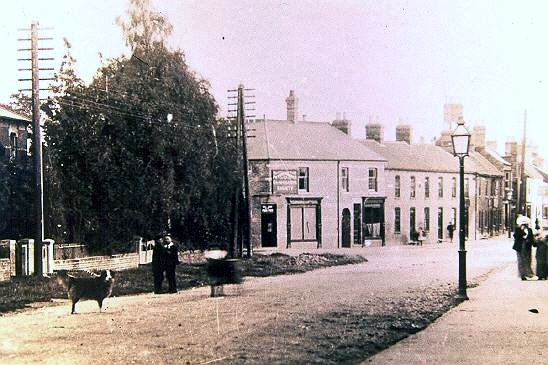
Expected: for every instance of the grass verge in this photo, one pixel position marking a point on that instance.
(21, 292)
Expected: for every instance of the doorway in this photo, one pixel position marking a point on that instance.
(269, 237)
(345, 239)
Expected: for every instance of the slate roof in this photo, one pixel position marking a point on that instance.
(284, 140)
(8, 113)
(497, 157)
(429, 158)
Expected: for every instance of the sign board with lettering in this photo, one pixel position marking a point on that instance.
(284, 182)
(267, 208)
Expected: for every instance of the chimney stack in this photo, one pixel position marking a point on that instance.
(403, 133)
(374, 131)
(343, 125)
(477, 140)
(292, 107)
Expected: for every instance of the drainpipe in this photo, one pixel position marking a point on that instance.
(338, 208)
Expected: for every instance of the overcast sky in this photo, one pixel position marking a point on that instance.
(386, 61)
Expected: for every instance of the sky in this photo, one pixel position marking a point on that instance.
(391, 62)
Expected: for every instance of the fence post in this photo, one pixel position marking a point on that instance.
(47, 256)
(24, 258)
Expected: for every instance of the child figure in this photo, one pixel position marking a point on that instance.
(421, 236)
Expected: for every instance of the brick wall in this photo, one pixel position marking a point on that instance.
(114, 262)
(5, 270)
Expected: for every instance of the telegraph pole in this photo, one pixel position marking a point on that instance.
(37, 139)
(241, 225)
(523, 184)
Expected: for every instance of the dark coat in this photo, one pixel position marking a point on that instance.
(158, 257)
(171, 255)
(521, 242)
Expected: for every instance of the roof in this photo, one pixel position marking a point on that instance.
(284, 140)
(8, 113)
(542, 172)
(428, 157)
(496, 157)
(483, 165)
(533, 172)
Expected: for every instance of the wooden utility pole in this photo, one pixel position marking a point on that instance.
(241, 234)
(37, 154)
(522, 197)
(37, 139)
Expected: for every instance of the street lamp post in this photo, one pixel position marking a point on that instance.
(460, 139)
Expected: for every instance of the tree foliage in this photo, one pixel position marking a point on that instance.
(123, 167)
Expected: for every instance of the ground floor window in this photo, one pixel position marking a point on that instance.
(397, 220)
(357, 224)
(304, 221)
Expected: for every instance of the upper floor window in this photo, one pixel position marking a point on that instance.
(397, 186)
(454, 187)
(303, 179)
(507, 180)
(373, 179)
(427, 187)
(440, 187)
(413, 187)
(344, 179)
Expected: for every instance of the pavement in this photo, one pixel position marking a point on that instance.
(499, 324)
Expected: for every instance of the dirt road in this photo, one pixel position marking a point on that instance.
(334, 315)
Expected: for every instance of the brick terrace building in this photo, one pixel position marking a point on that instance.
(422, 188)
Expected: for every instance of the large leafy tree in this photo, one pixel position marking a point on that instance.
(136, 150)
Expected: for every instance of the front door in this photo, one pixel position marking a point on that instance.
(268, 225)
(346, 228)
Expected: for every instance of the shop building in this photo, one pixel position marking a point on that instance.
(313, 186)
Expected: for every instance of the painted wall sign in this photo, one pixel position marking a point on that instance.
(284, 182)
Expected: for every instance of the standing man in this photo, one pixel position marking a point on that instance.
(172, 260)
(158, 264)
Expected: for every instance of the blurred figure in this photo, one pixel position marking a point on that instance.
(450, 230)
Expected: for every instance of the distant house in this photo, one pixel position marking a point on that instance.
(13, 133)
(313, 186)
